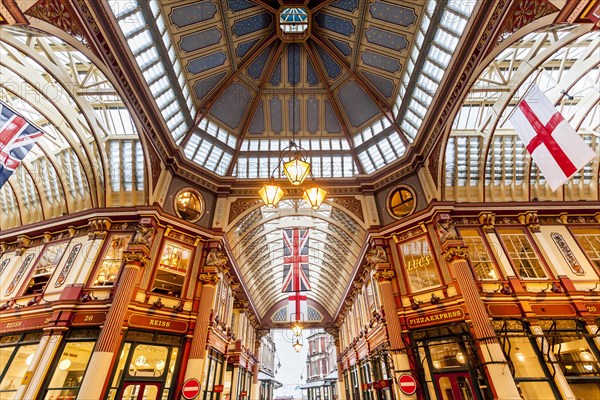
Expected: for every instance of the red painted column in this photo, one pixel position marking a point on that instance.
(498, 372)
(110, 335)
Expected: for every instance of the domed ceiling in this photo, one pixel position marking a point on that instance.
(348, 80)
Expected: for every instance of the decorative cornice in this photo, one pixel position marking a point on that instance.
(384, 275)
(209, 278)
(455, 253)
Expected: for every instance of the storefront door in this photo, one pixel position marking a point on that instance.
(140, 391)
(455, 386)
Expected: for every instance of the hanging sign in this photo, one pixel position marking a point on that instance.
(218, 388)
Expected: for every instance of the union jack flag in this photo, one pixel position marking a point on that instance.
(17, 137)
(295, 260)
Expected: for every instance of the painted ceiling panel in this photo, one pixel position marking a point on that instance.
(357, 104)
(200, 40)
(251, 24)
(245, 47)
(193, 13)
(393, 13)
(335, 24)
(230, 107)
(203, 86)
(384, 85)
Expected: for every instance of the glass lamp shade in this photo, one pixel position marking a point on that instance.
(271, 193)
(314, 197)
(297, 346)
(297, 329)
(64, 364)
(296, 170)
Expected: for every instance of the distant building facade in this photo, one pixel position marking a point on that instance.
(321, 367)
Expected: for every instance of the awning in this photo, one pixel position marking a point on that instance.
(264, 377)
(333, 376)
(312, 384)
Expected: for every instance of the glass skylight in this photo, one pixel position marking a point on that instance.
(293, 19)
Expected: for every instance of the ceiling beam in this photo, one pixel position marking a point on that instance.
(265, 4)
(379, 101)
(253, 106)
(338, 113)
(209, 100)
(322, 4)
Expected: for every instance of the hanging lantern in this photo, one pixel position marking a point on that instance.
(314, 197)
(297, 346)
(296, 170)
(271, 193)
(297, 329)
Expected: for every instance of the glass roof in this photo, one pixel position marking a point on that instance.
(485, 159)
(89, 137)
(335, 240)
(229, 71)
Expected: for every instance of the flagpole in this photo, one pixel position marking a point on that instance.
(539, 72)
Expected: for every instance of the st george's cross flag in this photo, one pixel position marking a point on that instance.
(17, 137)
(295, 270)
(552, 142)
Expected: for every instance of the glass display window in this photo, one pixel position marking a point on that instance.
(16, 355)
(108, 270)
(172, 269)
(70, 365)
(526, 261)
(484, 267)
(148, 357)
(44, 268)
(419, 265)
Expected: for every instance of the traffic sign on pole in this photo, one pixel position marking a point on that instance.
(191, 389)
(408, 384)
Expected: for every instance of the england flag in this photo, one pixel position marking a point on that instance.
(17, 137)
(553, 144)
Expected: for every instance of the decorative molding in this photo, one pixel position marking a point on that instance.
(99, 228)
(209, 278)
(488, 220)
(455, 253)
(567, 253)
(240, 206)
(19, 274)
(62, 277)
(530, 218)
(384, 275)
(351, 204)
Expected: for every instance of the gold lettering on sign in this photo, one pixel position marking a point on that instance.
(591, 308)
(158, 322)
(88, 318)
(418, 262)
(14, 324)
(432, 318)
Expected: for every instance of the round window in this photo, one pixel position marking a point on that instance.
(189, 205)
(401, 202)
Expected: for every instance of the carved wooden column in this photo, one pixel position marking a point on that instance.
(208, 282)
(135, 258)
(496, 365)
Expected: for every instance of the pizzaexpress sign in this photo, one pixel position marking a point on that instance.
(453, 314)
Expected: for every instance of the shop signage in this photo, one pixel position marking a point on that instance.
(144, 321)
(381, 384)
(243, 393)
(88, 318)
(190, 389)
(453, 314)
(593, 309)
(407, 384)
(218, 388)
(23, 324)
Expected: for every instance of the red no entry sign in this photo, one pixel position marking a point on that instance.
(191, 389)
(408, 384)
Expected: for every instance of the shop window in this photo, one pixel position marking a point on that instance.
(146, 356)
(112, 259)
(69, 367)
(172, 269)
(44, 268)
(16, 354)
(419, 265)
(576, 354)
(212, 375)
(446, 354)
(590, 243)
(479, 257)
(523, 255)
(532, 376)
